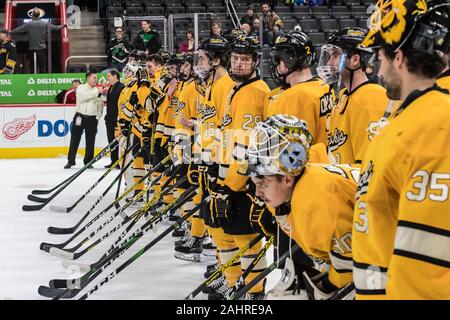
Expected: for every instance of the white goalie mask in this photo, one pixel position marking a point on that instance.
(130, 70)
(279, 145)
(331, 63)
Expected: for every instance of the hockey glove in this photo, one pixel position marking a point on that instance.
(194, 173)
(124, 127)
(134, 101)
(261, 219)
(220, 205)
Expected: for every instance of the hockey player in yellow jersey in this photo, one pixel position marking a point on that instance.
(307, 97)
(401, 226)
(312, 203)
(360, 104)
(230, 204)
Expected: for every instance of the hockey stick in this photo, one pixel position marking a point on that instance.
(141, 252)
(72, 176)
(265, 273)
(70, 254)
(51, 246)
(343, 292)
(110, 169)
(56, 230)
(40, 206)
(74, 286)
(240, 283)
(216, 274)
(155, 215)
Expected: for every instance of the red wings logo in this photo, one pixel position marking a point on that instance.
(16, 128)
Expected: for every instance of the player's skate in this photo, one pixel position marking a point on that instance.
(189, 251)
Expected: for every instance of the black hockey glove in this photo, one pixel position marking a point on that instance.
(124, 127)
(220, 205)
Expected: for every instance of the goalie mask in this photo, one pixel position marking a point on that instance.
(279, 146)
(130, 70)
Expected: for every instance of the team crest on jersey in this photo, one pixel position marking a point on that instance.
(208, 112)
(326, 104)
(337, 139)
(364, 180)
(373, 129)
(226, 120)
(178, 108)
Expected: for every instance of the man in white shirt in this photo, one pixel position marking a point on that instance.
(89, 109)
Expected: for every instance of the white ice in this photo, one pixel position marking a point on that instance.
(23, 267)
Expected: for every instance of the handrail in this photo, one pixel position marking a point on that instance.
(81, 57)
(231, 10)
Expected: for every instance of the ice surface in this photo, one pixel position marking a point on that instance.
(23, 267)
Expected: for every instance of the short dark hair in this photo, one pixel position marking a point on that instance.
(216, 23)
(76, 80)
(36, 13)
(250, 7)
(148, 21)
(90, 73)
(156, 58)
(114, 72)
(426, 64)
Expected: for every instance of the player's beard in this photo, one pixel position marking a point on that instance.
(393, 84)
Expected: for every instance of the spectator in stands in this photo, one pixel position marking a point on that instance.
(270, 18)
(88, 111)
(36, 30)
(255, 27)
(112, 108)
(249, 17)
(272, 23)
(216, 29)
(246, 27)
(70, 97)
(188, 45)
(147, 39)
(119, 50)
(8, 53)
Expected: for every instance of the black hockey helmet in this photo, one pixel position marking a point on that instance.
(296, 50)
(249, 45)
(232, 34)
(216, 47)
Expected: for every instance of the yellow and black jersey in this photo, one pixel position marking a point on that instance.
(321, 216)
(310, 101)
(8, 57)
(208, 115)
(401, 231)
(352, 122)
(443, 80)
(168, 114)
(269, 101)
(243, 110)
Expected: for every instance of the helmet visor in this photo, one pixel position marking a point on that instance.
(331, 63)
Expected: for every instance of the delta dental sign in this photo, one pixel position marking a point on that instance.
(40, 88)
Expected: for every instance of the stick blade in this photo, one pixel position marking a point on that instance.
(63, 254)
(32, 207)
(58, 209)
(74, 265)
(36, 199)
(56, 230)
(41, 191)
(49, 292)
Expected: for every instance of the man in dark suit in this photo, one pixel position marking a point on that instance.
(112, 109)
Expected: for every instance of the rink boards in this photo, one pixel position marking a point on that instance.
(40, 130)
